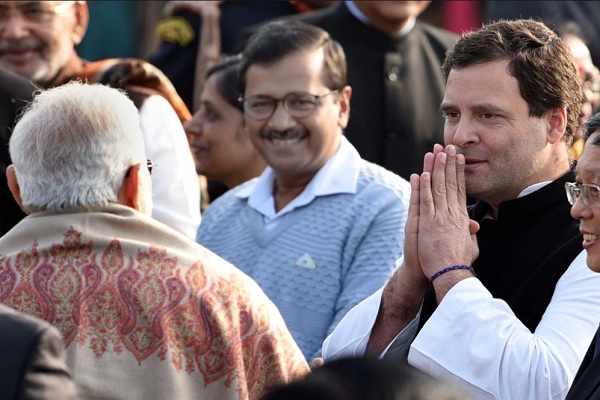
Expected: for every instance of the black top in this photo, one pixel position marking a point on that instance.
(586, 385)
(15, 93)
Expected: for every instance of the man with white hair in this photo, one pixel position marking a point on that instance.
(145, 312)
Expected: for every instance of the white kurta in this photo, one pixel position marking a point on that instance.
(477, 341)
(175, 185)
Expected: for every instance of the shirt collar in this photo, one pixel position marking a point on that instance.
(533, 188)
(338, 175)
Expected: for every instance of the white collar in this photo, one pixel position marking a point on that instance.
(533, 188)
(338, 175)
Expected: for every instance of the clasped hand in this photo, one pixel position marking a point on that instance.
(439, 232)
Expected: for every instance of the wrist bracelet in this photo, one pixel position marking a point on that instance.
(443, 271)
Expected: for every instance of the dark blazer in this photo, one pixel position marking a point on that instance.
(32, 359)
(586, 385)
(15, 93)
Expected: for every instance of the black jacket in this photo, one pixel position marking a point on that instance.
(15, 92)
(33, 362)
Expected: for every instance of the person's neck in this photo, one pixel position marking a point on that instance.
(391, 27)
(548, 177)
(286, 189)
(250, 172)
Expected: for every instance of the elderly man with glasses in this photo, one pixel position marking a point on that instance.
(321, 228)
(584, 196)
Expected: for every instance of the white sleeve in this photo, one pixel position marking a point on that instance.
(476, 341)
(175, 184)
(351, 335)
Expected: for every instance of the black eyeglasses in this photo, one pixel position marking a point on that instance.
(149, 164)
(296, 104)
(589, 192)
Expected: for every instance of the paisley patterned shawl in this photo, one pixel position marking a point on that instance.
(145, 313)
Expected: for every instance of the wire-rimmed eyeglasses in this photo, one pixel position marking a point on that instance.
(296, 104)
(150, 165)
(589, 192)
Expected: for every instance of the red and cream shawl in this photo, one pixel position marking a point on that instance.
(145, 313)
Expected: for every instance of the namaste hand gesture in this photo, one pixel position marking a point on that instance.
(446, 234)
(439, 242)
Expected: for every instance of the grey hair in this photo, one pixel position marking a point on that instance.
(73, 145)
(590, 127)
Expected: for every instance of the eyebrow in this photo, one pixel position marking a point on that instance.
(481, 107)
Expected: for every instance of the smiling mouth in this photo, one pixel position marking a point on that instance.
(288, 137)
(590, 237)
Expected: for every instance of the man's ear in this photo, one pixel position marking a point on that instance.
(15, 189)
(82, 19)
(132, 191)
(344, 102)
(557, 124)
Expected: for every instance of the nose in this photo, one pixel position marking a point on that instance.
(462, 134)
(13, 27)
(193, 127)
(281, 119)
(580, 211)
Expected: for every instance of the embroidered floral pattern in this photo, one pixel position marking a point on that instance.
(149, 306)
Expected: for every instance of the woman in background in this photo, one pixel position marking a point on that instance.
(222, 149)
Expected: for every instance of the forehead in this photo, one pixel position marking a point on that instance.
(11, 4)
(487, 83)
(588, 166)
(577, 46)
(210, 86)
(298, 71)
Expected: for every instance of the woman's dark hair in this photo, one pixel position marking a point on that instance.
(228, 81)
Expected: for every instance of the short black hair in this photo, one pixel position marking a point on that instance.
(277, 39)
